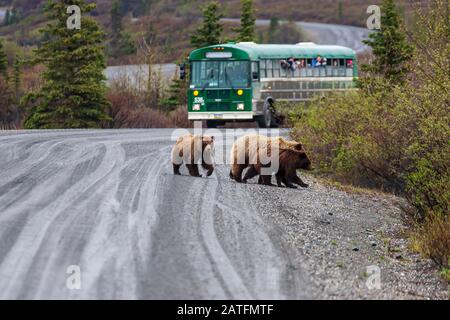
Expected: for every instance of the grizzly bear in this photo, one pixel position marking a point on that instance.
(250, 149)
(289, 162)
(192, 150)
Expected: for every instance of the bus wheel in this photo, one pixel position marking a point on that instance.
(274, 122)
(267, 120)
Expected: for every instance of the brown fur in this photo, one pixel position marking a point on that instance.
(289, 162)
(191, 150)
(248, 149)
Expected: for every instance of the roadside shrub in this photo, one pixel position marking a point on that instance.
(397, 140)
(8, 109)
(137, 100)
(395, 137)
(432, 238)
(128, 110)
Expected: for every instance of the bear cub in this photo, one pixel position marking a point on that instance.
(193, 150)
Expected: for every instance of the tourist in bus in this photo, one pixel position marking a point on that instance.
(284, 64)
(291, 63)
(317, 62)
(350, 63)
(324, 62)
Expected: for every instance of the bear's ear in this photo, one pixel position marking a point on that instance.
(298, 147)
(208, 139)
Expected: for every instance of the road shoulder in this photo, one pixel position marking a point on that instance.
(346, 239)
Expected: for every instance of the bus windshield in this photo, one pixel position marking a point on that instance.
(220, 74)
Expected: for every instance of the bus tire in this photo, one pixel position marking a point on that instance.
(274, 122)
(267, 120)
(261, 121)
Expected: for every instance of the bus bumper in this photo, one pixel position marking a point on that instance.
(220, 115)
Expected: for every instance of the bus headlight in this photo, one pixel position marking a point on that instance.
(196, 107)
(196, 93)
(240, 92)
(240, 106)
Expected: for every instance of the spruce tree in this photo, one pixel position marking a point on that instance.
(127, 45)
(210, 32)
(340, 12)
(247, 29)
(177, 95)
(6, 103)
(7, 18)
(15, 93)
(3, 61)
(142, 8)
(390, 47)
(121, 41)
(17, 75)
(274, 30)
(116, 24)
(73, 92)
(13, 16)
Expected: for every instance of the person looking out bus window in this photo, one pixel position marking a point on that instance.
(350, 63)
(284, 64)
(291, 64)
(318, 62)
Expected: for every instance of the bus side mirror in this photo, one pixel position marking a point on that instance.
(182, 71)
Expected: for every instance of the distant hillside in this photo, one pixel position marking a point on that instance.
(163, 19)
(328, 11)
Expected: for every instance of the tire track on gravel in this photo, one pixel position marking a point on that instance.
(229, 277)
(254, 247)
(44, 211)
(81, 221)
(107, 201)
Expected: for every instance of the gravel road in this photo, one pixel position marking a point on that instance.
(107, 201)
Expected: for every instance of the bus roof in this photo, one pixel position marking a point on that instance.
(253, 51)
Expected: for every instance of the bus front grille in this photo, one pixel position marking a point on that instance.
(218, 106)
(217, 94)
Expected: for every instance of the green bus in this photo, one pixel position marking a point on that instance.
(243, 81)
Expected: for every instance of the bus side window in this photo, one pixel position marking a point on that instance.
(269, 68)
(262, 68)
(276, 68)
(255, 71)
(342, 68)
